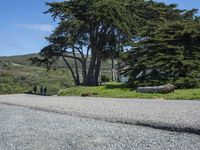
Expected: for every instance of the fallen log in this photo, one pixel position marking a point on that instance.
(88, 94)
(168, 88)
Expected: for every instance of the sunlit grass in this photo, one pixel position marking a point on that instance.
(21, 78)
(121, 91)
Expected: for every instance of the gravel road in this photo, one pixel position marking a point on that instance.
(181, 116)
(28, 129)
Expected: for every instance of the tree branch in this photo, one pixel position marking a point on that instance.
(72, 57)
(78, 49)
(70, 68)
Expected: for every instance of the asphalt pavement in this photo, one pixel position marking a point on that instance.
(22, 128)
(170, 115)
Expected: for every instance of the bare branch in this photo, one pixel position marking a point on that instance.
(78, 49)
(72, 57)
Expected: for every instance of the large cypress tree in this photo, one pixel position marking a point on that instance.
(169, 52)
(90, 28)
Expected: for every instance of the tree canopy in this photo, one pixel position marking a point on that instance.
(170, 53)
(158, 43)
(93, 29)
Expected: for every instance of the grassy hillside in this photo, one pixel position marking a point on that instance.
(17, 75)
(20, 78)
(23, 60)
(19, 59)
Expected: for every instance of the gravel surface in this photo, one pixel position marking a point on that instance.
(28, 129)
(181, 116)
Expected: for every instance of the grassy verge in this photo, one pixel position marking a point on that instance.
(121, 91)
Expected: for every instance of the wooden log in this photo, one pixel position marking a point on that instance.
(88, 94)
(168, 88)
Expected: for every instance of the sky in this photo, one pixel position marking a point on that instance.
(23, 26)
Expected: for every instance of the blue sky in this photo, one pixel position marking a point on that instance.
(23, 26)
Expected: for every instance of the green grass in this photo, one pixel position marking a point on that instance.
(17, 78)
(122, 91)
(17, 75)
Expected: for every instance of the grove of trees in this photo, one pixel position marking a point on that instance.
(156, 43)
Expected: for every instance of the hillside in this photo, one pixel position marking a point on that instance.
(23, 60)
(17, 75)
(19, 59)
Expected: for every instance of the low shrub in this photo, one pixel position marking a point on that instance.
(5, 89)
(186, 83)
(105, 78)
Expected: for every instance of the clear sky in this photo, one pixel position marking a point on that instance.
(23, 25)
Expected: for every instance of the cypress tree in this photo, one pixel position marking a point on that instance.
(169, 52)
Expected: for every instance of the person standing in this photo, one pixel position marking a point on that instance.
(41, 90)
(45, 90)
(35, 89)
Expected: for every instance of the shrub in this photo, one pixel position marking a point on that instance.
(105, 78)
(5, 89)
(186, 83)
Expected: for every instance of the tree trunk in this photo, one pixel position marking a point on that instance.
(97, 70)
(76, 68)
(84, 71)
(90, 75)
(118, 71)
(113, 70)
(156, 89)
(71, 70)
(94, 68)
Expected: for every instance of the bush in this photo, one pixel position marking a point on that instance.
(5, 89)
(105, 78)
(186, 83)
(17, 88)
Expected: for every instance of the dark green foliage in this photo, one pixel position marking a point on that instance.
(105, 78)
(90, 27)
(169, 53)
(5, 89)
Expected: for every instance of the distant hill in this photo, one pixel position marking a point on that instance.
(24, 60)
(19, 59)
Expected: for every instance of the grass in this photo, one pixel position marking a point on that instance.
(122, 91)
(17, 78)
(17, 75)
